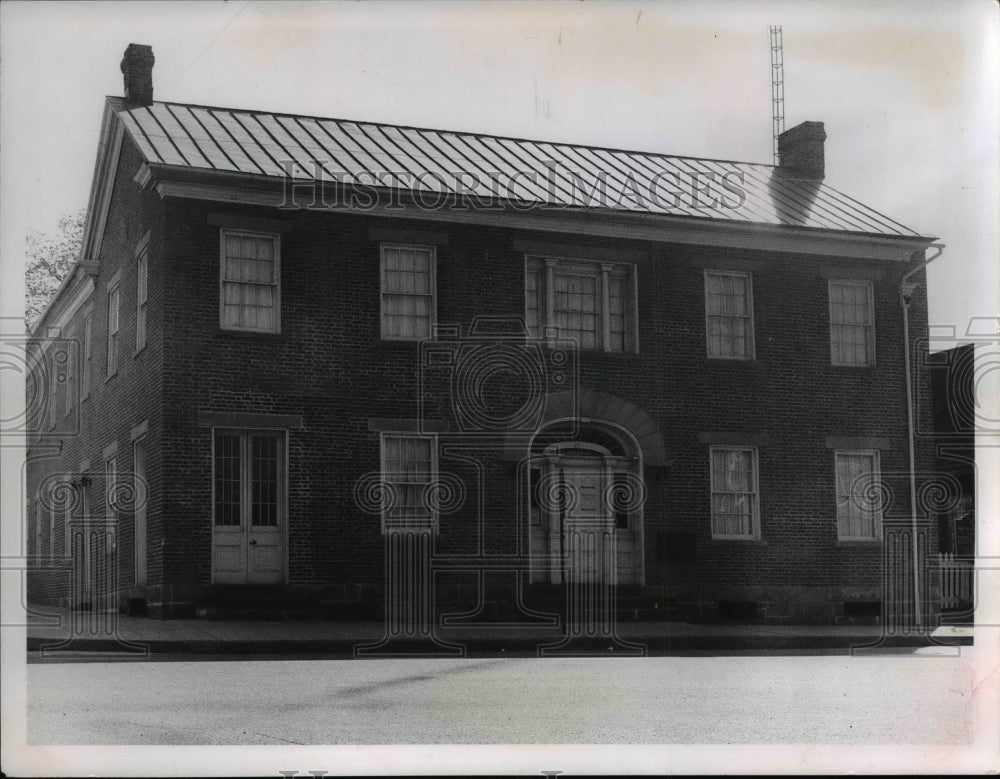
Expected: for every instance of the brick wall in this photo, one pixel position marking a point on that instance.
(115, 405)
(330, 366)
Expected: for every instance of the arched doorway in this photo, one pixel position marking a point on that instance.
(584, 504)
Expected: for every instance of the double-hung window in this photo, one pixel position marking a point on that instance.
(852, 323)
(88, 353)
(111, 499)
(729, 315)
(859, 510)
(409, 471)
(408, 291)
(113, 305)
(590, 303)
(735, 507)
(249, 281)
(141, 269)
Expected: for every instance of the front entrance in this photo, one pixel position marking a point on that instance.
(248, 534)
(585, 517)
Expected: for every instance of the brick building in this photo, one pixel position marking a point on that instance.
(291, 342)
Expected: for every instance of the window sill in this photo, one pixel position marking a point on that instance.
(249, 335)
(859, 542)
(730, 360)
(839, 367)
(751, 541)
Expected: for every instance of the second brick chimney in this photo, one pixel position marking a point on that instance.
(800, 150)
(137, 68)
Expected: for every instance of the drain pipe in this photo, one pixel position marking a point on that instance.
(906, 290)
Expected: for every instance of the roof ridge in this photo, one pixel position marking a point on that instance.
(456, 132)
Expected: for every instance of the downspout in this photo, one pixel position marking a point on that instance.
(906, 290)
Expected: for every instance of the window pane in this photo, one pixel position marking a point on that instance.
(733, 493)
(227, 479)
(264, 480)
(249, 289)
(851, 327)
(728, 310)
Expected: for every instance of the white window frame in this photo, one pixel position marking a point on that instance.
(141, 296)
(53, 391)
(751, 335)
(432, 251)
(276, 238)
(601, 270)
(433, 516)
(88, 353)
(71, 354)
(114, 317)
(870, 290)
(876, 479)
(755, 520)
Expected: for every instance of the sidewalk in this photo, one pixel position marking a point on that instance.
(59, 631)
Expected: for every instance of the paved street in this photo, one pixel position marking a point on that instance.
(921, 697)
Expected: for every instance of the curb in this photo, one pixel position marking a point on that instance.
(480, 647)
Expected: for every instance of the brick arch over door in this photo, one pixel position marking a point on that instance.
(602, 407)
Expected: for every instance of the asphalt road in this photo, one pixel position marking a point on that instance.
(915, 698)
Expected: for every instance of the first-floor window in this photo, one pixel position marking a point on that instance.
(248, 478)
(409, 468)
(111, 487)
(735, 512)
(859, 512)
(591, 303)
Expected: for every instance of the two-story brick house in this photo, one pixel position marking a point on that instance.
(289, 338)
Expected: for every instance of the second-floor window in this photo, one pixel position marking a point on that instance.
(141, 269)
(852, 323)
(729, 315)
(408, 291)
(113, 301)
(250, 282)
(88, 351)
(590, 303)
(735, 512)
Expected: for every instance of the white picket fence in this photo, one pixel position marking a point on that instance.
(956, 581)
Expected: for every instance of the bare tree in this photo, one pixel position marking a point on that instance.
(50, 256)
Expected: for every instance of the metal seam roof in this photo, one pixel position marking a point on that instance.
(544, 172)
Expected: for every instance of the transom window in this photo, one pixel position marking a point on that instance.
(735, 510)
(408, 291)
(409, 468)
(859, 511)
(248, 468)
(250, 281)
(852, 323)
(729, 315)
(591, 303)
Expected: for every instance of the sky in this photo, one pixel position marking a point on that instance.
(907, 90)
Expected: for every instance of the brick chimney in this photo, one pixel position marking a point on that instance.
(800, 150)
(137, 68)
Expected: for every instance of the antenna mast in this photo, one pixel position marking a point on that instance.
(777, 90)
